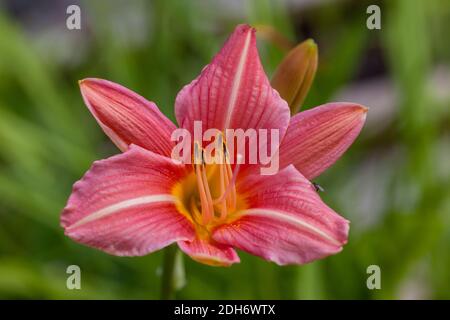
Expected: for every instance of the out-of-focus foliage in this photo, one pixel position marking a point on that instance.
(393, 184)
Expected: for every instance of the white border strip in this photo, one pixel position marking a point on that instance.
(280, 215)
(123, 205)
(237, 79)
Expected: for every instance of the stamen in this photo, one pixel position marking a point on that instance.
(203, 187)
(206, 213)
(231, 199)
(197, 153)
(223, 212)
(208, 191)
(219, 155)
(232, 195)
(231, 184)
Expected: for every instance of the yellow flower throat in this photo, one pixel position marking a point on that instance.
(208, 194)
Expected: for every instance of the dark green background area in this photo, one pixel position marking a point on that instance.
(393, 183)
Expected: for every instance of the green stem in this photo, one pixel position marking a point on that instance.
(173, 273)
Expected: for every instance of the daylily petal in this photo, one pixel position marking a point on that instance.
(123, 205)
(213, 254)
(316, 138)
(233, 91)
(286, 222)
(126, 117)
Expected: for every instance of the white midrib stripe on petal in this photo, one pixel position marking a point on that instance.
(237, 80)
(284, 216)
(123, 205)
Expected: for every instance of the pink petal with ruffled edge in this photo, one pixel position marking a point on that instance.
(126, 117)
(213, 254)
(123, 205)
(286, 221)
(316, 138)
(233, 91)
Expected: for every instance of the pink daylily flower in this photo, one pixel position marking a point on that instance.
(141, 200)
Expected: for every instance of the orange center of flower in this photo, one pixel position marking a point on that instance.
(208, 194)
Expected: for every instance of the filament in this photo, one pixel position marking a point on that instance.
(230, 186)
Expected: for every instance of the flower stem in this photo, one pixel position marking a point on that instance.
(173, 272)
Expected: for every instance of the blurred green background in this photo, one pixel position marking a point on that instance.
(393, 183)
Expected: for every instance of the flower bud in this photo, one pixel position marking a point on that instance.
(295, 74)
